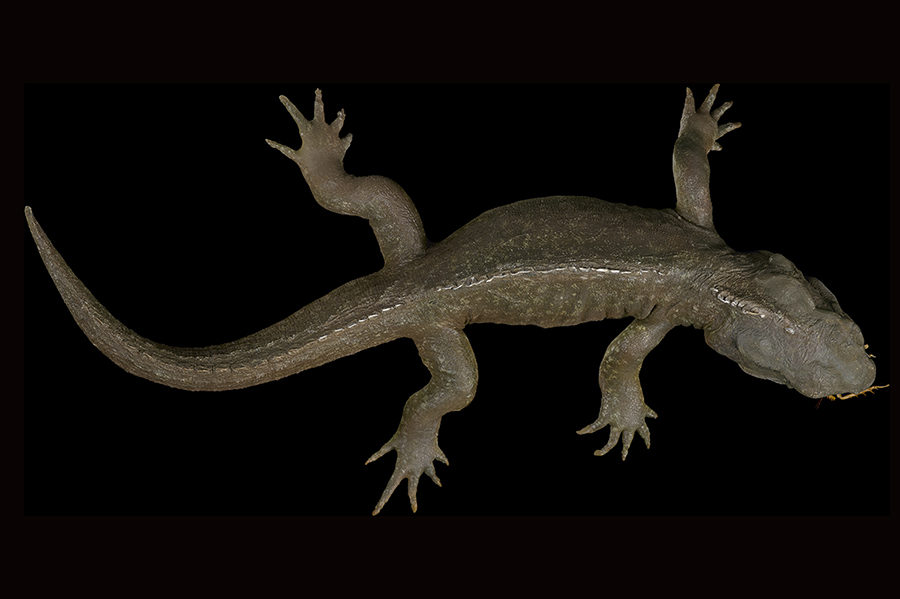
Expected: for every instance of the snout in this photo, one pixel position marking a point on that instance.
(858, 376)
(839, 375)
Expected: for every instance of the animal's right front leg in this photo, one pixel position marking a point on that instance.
(454, 376)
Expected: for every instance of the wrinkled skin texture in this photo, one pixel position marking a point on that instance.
(741, 337)
(800, 338)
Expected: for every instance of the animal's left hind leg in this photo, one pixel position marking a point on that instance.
(454, 377)
(388, 209)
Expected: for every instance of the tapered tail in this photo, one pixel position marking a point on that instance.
(310, 337)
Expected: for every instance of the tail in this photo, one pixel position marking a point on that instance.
(314, 335)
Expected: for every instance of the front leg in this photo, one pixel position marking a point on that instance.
(623, 407)
(454, 376)
(697, 136)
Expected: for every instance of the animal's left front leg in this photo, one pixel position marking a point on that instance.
(623, 407)
(454, 376)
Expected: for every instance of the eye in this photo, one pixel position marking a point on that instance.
(789, 330)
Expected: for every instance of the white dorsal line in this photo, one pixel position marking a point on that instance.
(745, 306)
(475, 281)
(720, 294)
(360, 320)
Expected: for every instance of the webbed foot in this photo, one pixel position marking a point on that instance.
(621, 423)
(416, 452)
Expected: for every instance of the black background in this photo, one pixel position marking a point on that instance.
(169, 205)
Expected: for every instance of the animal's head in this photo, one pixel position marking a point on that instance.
(779, 325)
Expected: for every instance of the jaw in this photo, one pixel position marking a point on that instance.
(818, 379)
(854, 378)
(850, 370)
(849, 377)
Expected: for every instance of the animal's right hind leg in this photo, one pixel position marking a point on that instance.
(388, 209)
(454, 376)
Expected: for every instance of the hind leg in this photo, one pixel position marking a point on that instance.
(381, 201)
(454, 376)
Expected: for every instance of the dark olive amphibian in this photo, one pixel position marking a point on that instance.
(552, 261)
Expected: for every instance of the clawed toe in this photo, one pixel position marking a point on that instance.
(613, 440)
(386, 448)
(416, 454)
(388, 491)
(593, 427)
(621, 429)
(627, 437)
(413, 487)
(433, 475)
